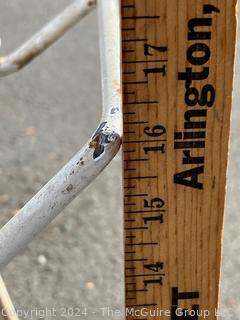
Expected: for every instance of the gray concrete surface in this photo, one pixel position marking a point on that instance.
(45, 116)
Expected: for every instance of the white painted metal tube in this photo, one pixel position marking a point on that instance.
(46, 36)
(86, 164)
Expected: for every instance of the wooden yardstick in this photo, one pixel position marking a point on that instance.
(177, 65)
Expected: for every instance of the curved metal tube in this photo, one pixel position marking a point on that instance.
(45, 37)
(89, 161)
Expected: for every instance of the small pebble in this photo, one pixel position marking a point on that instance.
(29, 132)
(89, 285)
(42, 260)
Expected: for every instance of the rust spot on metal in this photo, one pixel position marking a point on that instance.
(28, 57)
(96, 144)
(117, 87)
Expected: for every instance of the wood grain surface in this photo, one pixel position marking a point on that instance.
(178, 62)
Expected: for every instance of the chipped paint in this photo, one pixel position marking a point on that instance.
(100, 140)
(114, 110)
(69, 188)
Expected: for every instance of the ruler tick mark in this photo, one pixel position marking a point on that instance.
(145, 211)
(139, 178)
(128, 29)
(136, 260)
(129, 72)
(145, 275)
(136, 195)
(135, 160)
(140, 17)
(137, 290)
(136, 122)
(128, 6)
(129, 132)
(142, 305)
(129, 187)
(135, 82)
(141, 244)
(136, 228)
(128, 50)
(143, 141)
(140, 102)
(134, 40)
(143, 61)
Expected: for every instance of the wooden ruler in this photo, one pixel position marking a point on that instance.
(178, 59)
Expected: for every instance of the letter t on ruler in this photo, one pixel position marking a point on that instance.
(177, 62)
